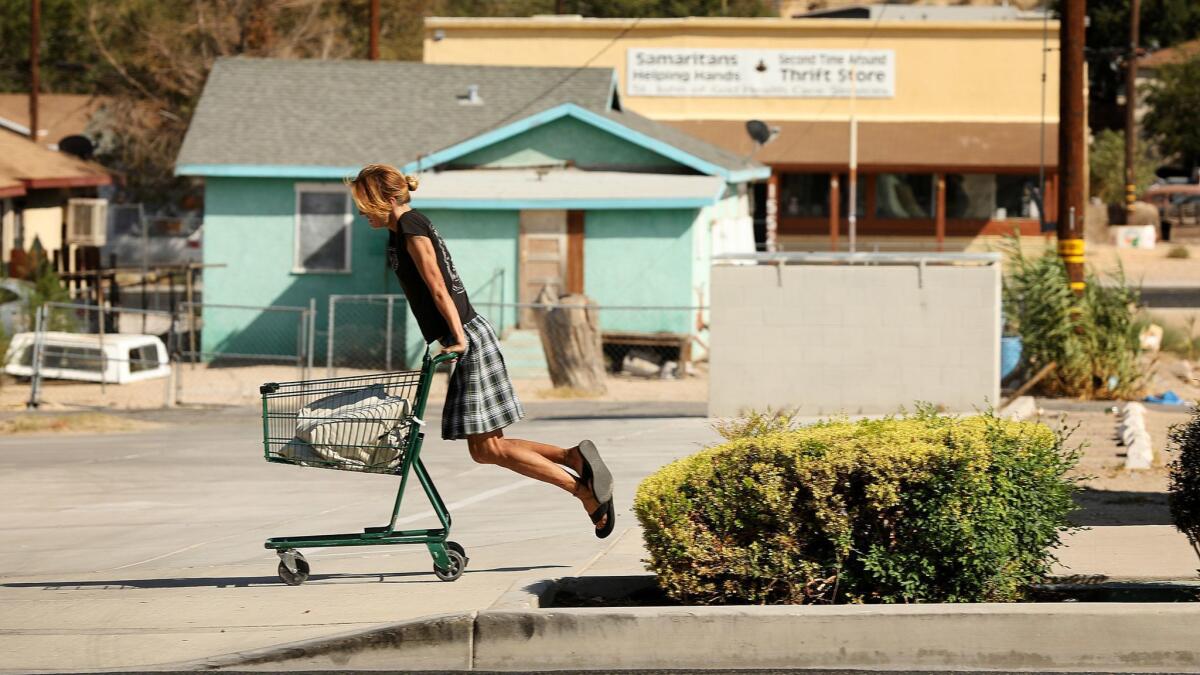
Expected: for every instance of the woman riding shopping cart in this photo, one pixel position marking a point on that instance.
(373, 423)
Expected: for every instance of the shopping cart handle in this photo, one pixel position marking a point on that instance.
(443, 358)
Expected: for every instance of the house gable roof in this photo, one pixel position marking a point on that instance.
(658, 138)
(316, 118)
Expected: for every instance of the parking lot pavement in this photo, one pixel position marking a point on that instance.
(135, 549)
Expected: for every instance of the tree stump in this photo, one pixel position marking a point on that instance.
(571, 340)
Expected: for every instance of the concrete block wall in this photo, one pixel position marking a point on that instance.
(854, 339)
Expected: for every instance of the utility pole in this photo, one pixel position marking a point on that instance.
(852, 203)
(1071, 137)
(1131, 110)
(35, 20)
(374, 48)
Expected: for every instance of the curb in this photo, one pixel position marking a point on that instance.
(520, 631)
(438, 642)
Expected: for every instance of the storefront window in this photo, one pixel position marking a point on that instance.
(860, 195)
(904, 195)
(1014, 196)
(803, 195)
(985, 196)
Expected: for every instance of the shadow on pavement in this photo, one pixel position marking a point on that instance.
(1114, 507)
(247, 582)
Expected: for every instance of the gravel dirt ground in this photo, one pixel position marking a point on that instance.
(202, 385)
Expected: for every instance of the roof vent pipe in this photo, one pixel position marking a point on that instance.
(472, 96)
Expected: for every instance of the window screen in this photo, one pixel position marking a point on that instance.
(323, 232)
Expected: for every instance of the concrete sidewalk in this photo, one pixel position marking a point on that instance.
(132, 550)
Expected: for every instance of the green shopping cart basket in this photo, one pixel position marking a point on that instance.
(369, 424)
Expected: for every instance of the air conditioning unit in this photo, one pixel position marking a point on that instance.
(87, 221)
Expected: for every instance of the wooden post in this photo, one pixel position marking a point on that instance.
(941, 211)
(835, 199)
(191, 314)
(35, 39)
(1072, 140)
(1131, 111)
(772, 212)
(570, 335)
(373, 48)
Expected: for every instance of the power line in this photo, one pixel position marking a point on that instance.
(573, 73)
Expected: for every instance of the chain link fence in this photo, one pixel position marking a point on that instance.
(215, 354)
(373, 332)
(366, 332)
(226, 351)
(115, 357)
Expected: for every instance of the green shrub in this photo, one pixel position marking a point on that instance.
(1183, 493)
(1178, 251)
(926, 508)
(1092, 338)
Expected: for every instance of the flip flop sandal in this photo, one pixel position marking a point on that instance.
(595, 472)
(605, 509)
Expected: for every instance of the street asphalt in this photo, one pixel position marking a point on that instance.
(128, 550)
(131, 550)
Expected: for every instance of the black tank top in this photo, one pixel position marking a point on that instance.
(420, 300)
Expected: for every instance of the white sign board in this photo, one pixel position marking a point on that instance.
(761, 73)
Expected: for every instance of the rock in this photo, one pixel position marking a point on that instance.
(1126, 433)
(669, 371)
(1183, 370)
(636, 365)
(1134, 406)
(1140, 453)
(1023, 408)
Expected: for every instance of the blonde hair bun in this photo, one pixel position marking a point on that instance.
(412, 181)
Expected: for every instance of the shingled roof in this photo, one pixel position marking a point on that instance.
(306, 114)
(349, 113)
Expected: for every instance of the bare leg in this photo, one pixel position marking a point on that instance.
(535, 460)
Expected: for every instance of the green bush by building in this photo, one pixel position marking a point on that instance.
(926, 508)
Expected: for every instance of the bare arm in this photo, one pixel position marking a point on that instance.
(421, 250)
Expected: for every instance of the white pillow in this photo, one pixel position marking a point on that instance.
(354, 427)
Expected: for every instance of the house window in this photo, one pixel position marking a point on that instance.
(904, 195)
(323, 220)
(986, 196)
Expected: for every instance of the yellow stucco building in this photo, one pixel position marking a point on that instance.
(955, 120)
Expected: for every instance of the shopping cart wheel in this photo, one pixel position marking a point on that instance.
(288, 576)
(458, 563)
(455, 546)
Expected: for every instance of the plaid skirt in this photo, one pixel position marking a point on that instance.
(480, 397)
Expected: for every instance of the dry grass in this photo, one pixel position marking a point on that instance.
(88, 422)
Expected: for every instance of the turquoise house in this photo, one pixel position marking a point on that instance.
(534, 176)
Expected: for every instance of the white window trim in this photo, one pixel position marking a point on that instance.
(347, 221)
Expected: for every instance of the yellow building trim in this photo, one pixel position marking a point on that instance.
(814, 26)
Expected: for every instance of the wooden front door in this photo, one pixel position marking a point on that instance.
(543, 250)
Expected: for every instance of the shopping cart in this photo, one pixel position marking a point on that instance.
(370, 424)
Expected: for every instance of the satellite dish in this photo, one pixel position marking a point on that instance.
(760, 132)
(77, 145)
